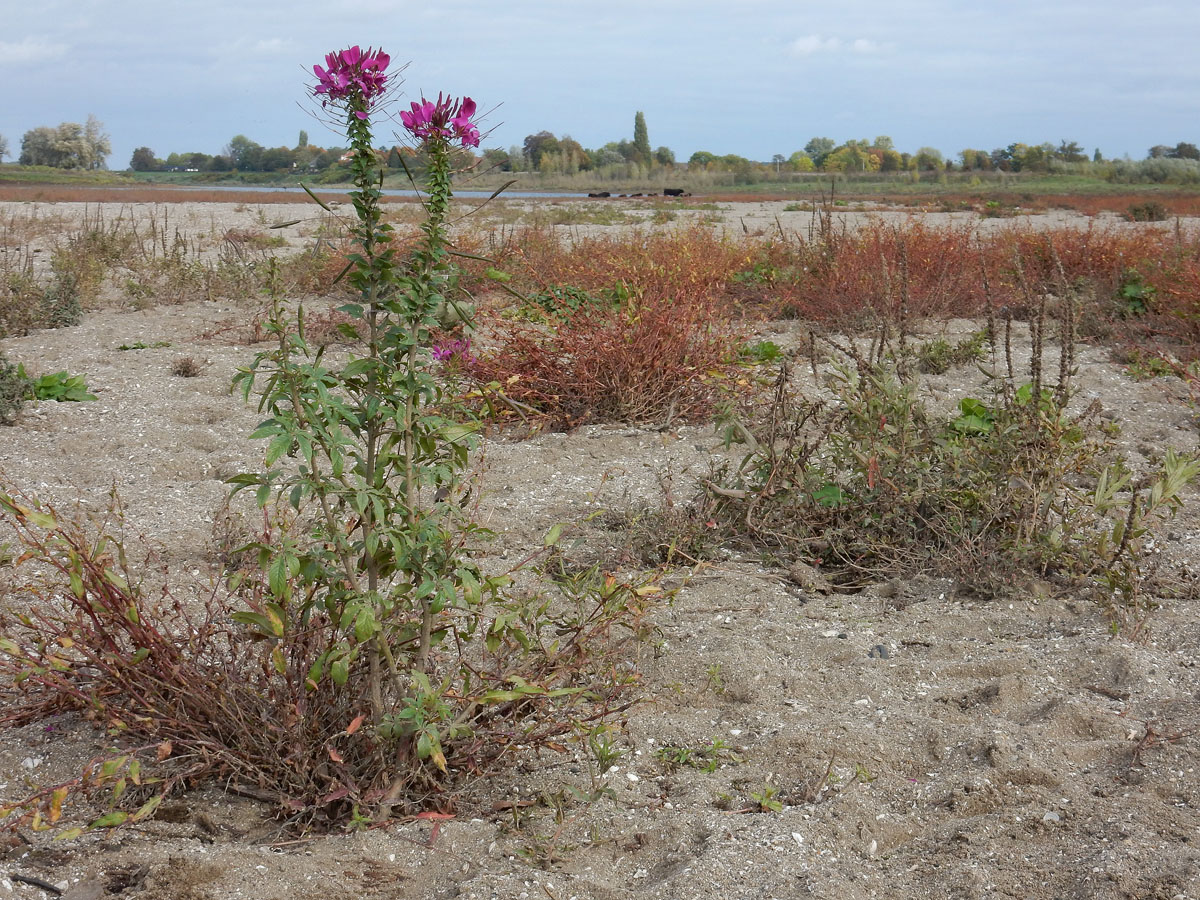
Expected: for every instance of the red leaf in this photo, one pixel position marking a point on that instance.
(356, 724)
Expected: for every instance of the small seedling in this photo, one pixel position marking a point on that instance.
(603, 748)
(760, 353)
(765, 801)
(706, 759)
(715, 680)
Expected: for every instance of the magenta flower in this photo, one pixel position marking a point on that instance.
(351, 74)
(458, 350)
(448, 118)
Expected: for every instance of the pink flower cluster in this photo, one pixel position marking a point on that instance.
(449, 351)
(448, 118)
(351, 73)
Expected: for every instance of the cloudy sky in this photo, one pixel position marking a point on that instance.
(751, 77)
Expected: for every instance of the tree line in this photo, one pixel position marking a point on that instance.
(71, 145)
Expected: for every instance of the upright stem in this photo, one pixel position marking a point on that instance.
(427, 261)
(366, 203)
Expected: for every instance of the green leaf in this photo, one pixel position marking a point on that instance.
(280, 444)
(553, 535)
(110, 820)
(364, 624)
(452, 434)
(278, 574)
(340, 671)
(358, 367)
(111, 766)
(146, 809)
(316, 670)
(245, 479)
(829, 495)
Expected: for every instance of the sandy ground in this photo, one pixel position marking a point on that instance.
(922, 742)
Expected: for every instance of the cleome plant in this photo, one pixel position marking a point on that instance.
(368, 661)
(377, 464)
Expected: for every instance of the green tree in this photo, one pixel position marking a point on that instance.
(851, 157)
(69, 146)
(641, 140)
(818, 148)
(276, 159)
(701, 159)
(801, 162)
(244, 153)
(608, 155)
(143, 160)
(889, 159)
(1182, 150)
(575, 158)
(536, 145)
(495, 159)
(971, 159)
(303, 141)
(3, 147)
(929, 159)
(1070, 151)
(664, 156)
(97, 145)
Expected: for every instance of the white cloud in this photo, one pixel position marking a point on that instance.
(811, 44)
(274, 45)
(30, 50)
(814, 43)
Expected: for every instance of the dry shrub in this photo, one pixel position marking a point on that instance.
(641, 362)
(888, 273)
(651, 265)
(644, 339)
(1102, 262)
(188, 696)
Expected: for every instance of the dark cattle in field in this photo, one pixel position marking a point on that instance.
(672, 192)
(601, 194)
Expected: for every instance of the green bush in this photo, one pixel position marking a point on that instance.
(876, 484)
(60, 386)
(1149, 211)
